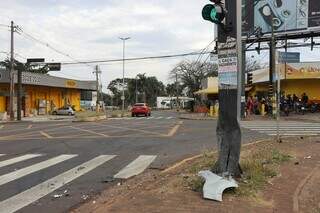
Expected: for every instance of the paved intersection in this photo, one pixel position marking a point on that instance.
(51, 167)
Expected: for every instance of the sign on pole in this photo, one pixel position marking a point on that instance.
(228, 66)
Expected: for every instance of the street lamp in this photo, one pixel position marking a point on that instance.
(136, 90)
(123, 63)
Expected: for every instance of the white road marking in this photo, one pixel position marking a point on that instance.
(281, 128)
(136, 167)
(2, 155)
(33, 194)
(285, 128)
(18, 159)
(287, 134)
(158, 118)
(168, 118)
(34, 168)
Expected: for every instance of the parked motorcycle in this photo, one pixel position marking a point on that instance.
(314, 107)
(300, 107)
(285, 107)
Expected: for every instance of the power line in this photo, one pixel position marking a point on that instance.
(30, 37)
(134, 59)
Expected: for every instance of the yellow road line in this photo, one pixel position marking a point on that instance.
(174, 130)
(90, 131)
(45, 134)
(137, 130)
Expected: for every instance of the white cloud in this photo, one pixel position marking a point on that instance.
(90, 30)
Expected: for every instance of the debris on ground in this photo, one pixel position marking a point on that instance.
(57, 195)
(84, 197)
(215, 185)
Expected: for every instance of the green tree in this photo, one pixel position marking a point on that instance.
(171, 89)
(147, 89)
(190, 74)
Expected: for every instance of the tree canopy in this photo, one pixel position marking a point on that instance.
(190, 74)
(24, 67)
(147, 89)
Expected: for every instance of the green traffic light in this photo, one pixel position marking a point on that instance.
(213, 13)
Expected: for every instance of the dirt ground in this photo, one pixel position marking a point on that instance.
(295, 189)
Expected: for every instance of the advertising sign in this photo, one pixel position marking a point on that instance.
(287, 15)
(289, 57)
(309, 70)
(227, 72)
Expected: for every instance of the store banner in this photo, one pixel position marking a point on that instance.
(308, 70)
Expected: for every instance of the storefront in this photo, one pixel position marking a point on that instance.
(43, 93)
(296, 78)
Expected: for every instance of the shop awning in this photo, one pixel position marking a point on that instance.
(210, 91)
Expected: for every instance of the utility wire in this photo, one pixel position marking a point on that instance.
(30, 37)
(135, 59)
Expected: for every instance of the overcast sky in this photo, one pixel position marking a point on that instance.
(90, 29)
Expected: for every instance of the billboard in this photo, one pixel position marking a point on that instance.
(308, 70)
(287, 15)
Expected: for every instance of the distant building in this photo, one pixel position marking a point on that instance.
(209, 89)
(43, 93)
(170, 102)
(296, 78)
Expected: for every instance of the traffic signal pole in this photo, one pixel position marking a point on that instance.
(227, 16)
(11, 104)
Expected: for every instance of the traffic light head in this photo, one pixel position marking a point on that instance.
(213, 13)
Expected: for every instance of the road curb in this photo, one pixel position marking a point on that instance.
(198, 119)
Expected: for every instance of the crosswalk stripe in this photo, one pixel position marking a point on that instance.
(287, 134)
(135, 167)
(33, 168)
(285, 129)
(18, 159)
(35, 193)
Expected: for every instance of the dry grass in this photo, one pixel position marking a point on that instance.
(258, 167)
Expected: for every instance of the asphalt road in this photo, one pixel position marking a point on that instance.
(54, 166)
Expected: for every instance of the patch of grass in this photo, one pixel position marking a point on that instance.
(258, 167)
(117, 113)
(196, 183)
(87, 114)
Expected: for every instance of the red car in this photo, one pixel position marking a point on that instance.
(140, 109)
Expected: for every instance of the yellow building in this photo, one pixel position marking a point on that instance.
(296, 78)
(43, 93)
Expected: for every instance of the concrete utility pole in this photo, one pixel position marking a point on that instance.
(177, 92)
(136, 90)
(11, 112)
(123, 68)
(97, 72)
(239, 61)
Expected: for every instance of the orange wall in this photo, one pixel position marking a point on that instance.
(310, 86)
(55, 97)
